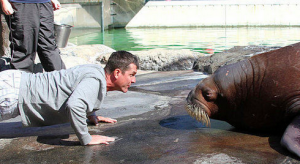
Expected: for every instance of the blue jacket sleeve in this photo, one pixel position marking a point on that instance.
(81, 102)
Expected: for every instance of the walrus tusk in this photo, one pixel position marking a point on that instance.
(198, 113)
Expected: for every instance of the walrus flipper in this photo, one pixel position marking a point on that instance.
(291, 137)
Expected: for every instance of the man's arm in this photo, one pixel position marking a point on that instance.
(6, 7)
(82, 100)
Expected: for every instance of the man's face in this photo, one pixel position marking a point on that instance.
(124, 80)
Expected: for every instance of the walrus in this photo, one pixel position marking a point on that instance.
(259, 93)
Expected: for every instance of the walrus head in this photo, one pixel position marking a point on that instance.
(201, 101)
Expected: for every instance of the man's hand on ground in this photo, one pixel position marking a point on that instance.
(96, 119)
(98, 139)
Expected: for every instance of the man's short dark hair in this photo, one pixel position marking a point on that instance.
(121, 60)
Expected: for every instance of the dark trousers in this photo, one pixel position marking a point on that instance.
(32, 31)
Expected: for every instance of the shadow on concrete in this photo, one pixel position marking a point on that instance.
(274, 142)
(185, 122)
(51, 135)
(15, 129)
(273, 139)
(57, 140)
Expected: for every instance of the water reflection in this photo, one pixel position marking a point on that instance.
(205, 40)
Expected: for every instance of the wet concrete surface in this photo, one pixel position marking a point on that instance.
(153, 127)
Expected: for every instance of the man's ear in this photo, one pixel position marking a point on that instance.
(117, 73)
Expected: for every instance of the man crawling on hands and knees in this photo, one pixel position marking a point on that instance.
(71, 95)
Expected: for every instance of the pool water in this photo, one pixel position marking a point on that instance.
(204, 40)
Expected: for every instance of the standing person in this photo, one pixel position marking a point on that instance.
(70, 95)
(31, 24)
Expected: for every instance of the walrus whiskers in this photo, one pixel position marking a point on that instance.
(198, 113)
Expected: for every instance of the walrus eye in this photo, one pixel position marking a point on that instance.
(209, 95)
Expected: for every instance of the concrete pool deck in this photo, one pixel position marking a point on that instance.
(153, 127)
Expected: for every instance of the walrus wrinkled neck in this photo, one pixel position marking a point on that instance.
(235, 85)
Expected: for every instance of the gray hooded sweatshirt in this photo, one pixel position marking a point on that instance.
(62, 96)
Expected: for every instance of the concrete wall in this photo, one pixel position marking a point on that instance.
(93, 13)
(218, 13)
(80, 15)
(123, 11)
(87, 12)
(84, 14)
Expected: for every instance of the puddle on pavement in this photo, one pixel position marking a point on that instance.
(181, 123)
(186, 122)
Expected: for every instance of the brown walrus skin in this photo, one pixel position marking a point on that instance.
(259, 93)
